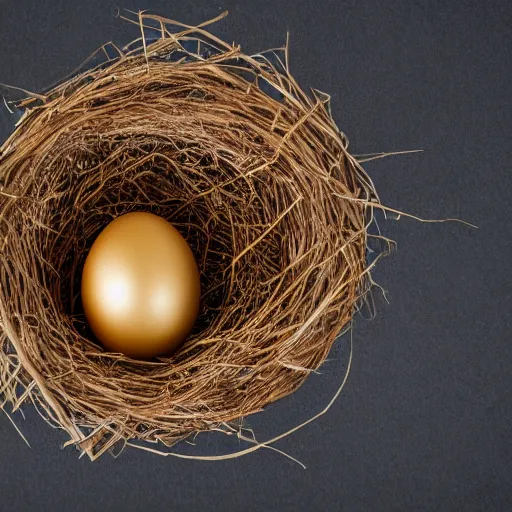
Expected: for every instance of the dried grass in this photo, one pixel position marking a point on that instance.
(253, 172)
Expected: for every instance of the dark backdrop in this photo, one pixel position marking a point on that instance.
(424, 422)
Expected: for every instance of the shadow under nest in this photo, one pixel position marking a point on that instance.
(260, 184)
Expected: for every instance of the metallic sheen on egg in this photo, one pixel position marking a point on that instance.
(140, 286)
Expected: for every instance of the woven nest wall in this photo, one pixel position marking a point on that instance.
(253, 172)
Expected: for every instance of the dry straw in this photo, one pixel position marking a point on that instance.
(254, 173)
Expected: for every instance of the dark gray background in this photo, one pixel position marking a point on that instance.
(424, 422)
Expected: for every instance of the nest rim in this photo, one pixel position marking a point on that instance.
(290, 211)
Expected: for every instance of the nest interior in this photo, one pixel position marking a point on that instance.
(253, 172)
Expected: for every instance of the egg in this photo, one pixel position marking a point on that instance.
(140, 286)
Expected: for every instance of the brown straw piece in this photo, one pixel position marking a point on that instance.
(252, 171)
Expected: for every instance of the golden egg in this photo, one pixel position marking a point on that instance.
(140, 286)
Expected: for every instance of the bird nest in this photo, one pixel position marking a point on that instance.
(251, 170)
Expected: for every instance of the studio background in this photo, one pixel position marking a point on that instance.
(424, 422)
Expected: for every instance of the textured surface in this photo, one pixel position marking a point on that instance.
(424, 422)
(263, 190)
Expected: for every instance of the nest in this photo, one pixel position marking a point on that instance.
(256, 176)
